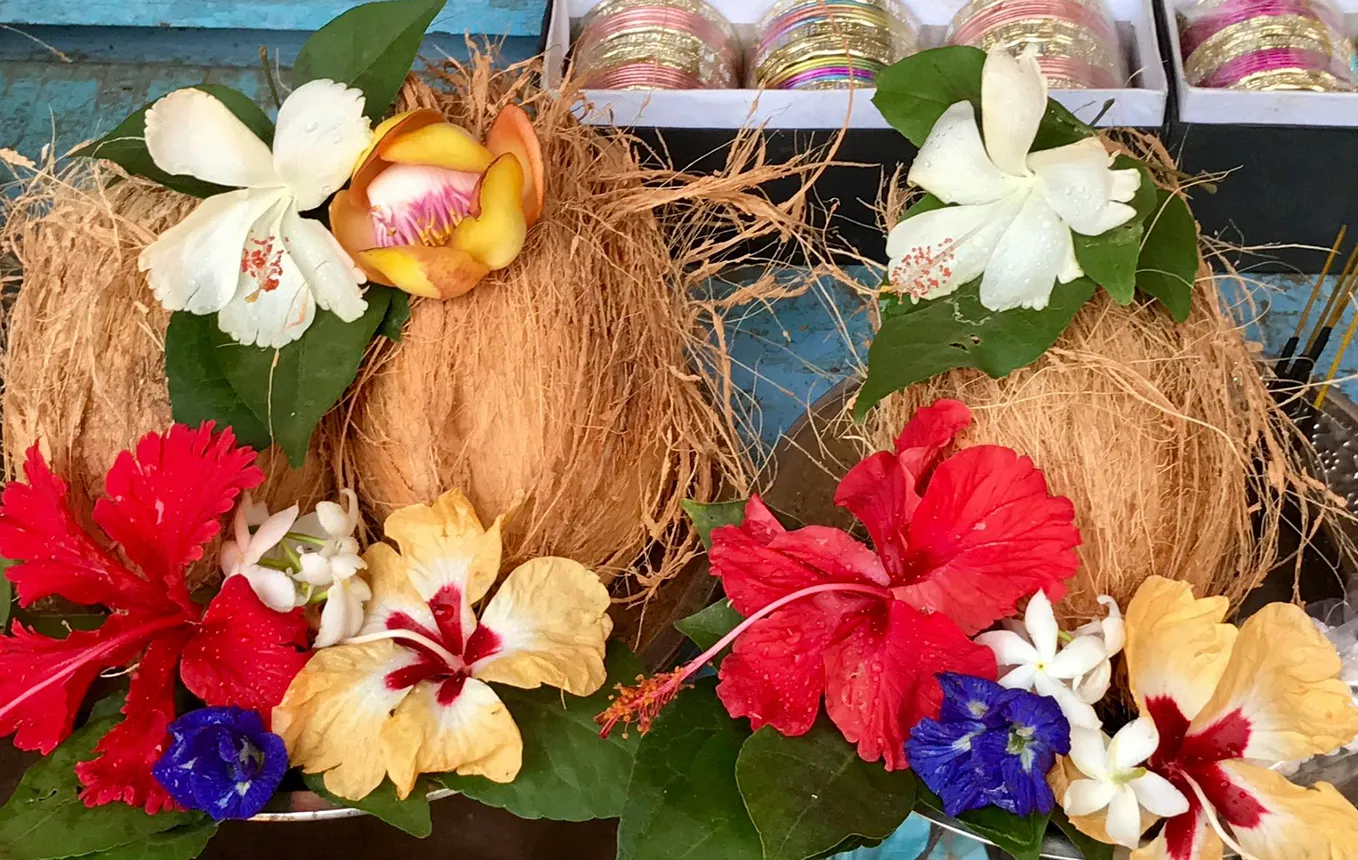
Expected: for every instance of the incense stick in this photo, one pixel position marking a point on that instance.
(1338, 357)
(1291, 346)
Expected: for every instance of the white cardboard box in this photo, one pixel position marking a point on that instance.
(1239, 107)
(1142, 105)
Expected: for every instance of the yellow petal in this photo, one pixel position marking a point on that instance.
(353, 228)
(332, 715)
(471, 733)
(513, 132)
(371, 163)
(1177, 646)
(445, 544)
(1206, 846)
(1282, 688)
(496, 234)
(1299, 823)
(436, 273)
(392, 592)
(440, 144)
(1062, 774)
(549, 622)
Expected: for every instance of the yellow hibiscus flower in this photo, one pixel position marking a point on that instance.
(1226, 704)
(409, 694)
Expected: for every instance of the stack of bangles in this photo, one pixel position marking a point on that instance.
(1267, 45)
(657, 45)
(1076, 42)
(830, 44)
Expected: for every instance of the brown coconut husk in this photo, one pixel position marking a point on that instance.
(84, 362)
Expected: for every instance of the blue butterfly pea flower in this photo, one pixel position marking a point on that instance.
(222, 761)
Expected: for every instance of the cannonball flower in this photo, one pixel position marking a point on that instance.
(1041, 664)
(411, 693)
(249, 256)
(432, 211)
(1227, 704)
(222, 761)
(1015, 210)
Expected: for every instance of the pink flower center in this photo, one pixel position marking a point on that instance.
(415, 204)
(262, 263)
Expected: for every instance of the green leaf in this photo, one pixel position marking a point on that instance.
(6, 593)
(922, 341)
(393, 324)
(45, 819)
(179, 843)
(808, 794)
(706, 517)
(1019, 835)
(199, 390)
(1109, 259)
(707, 626)
(913, 93)
(286, 390)
(1168, 266)
(126, 144)
(370, 47)
(410, 815)
(569, 773)
(1089, 848)
(683, 802)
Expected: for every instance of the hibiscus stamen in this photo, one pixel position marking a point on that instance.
(455, 662)
(642, 702)
(1211, 814)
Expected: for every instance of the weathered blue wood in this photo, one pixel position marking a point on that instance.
(493, 17)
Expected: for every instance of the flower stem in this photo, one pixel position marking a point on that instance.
(300, 537)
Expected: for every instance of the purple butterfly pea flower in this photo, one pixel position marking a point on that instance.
(222, 761)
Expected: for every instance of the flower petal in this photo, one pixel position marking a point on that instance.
(1124, 818)
(1184, 837)
(496, 234)
(1133, 744)
(371, 163)
(452, 560)
(189, 132)
(1013, 100)
(330, 273)
(437, 144)
(1078, 185)
(270, 534)
(881, 495)
(985, 535)
(1077, 712)
(352, 223)
(1089, 754)
(274, 588)
(321, 132)
(928, 433)
(1022, 271)
(273, 305)
(333, 714)
(953, 164)
(547, 624)
(1010, 648)
(1094, 686)
(933, 253)
(1280, 697)
(1061, 777)
(1020, 677)
(881, 675)
(395, 603)
(1079, 656)
(195, 265)
(513, 132)
(438, 273)
(342, 616)
(1086, 796)
(1040, 622)
(1158, 796)
(458, 726)
(1297, 823)
(1176, 651)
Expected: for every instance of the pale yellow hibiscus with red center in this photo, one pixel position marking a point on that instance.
(431, 210)
(1227, 704)
(410, 693)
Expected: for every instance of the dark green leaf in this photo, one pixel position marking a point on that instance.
(1168, 266)
(199, 390)
(714, 515)
(956, 331)
(853, 843)
(126, 144)
(1090, 848)
(6, 593)
(707, 626)
(181, 843)
(393, 324)
(683, 802)
(1019, 835)
(410, 815)
(46, 820)
(808, 794)
(1109, 259)
(58, 626)
(569, 773)
(370, 47)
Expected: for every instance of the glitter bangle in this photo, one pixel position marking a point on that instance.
(656, 44)
(830, 44)
(1267, 45)
(1076, 41)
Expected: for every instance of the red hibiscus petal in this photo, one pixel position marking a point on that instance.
(880, 675)
(760, 523)
(43, 680)
(163, 504)
(987, 534)
(122, 771)
(775, 673)
(928, 433)
(56, 555)
(244, 653)
(880, 493)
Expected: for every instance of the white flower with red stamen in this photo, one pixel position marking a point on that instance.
(248, 255)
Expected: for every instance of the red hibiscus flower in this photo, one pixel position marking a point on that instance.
(161, 506)
(957, 542)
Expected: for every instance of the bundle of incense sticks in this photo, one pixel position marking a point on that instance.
(1295, 369)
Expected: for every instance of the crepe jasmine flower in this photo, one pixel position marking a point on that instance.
(248, 255)
(245, 554)
(1016, 210)
(329, 559)
(223, 762)
(990, 746)
(1115, 787)
(1093, 686)
(1042, 666)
